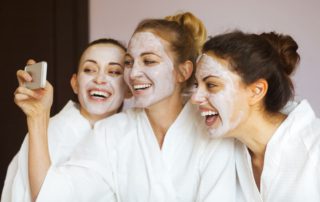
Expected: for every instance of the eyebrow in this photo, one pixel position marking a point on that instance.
(115, 63)
(207, 77)
(143, 54)
(89, 60)
(149, 53)
(110, 63)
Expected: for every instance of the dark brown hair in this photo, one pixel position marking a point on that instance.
(268, 56)
(103, 41)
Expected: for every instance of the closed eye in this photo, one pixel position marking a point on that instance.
(115, 73)
(149, 62)
(211, 85)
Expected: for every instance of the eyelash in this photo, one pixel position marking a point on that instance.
(115, 73)
(88, 70)
(128, 63)
(210, 85)
(196, 84)
(149, 62)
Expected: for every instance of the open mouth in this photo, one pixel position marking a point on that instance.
(99, 95)
(140, 87)
(210, 116)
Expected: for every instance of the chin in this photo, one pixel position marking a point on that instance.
(216, 133)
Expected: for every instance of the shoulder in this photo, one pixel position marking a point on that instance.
(303, 128)
(69, 111)
(117, 125)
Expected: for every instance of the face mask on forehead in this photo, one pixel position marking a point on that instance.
(150, 83)
(224, 100)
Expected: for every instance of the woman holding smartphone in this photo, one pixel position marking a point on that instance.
(100, 89)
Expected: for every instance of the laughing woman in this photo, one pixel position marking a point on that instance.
(100, 73)
(243, 86)
(157, 151)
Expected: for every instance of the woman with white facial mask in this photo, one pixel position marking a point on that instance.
(158, 151)
(243, 91)
(100, 89)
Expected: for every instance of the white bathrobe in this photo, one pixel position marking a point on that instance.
(122, 161)
(66, 129)
(291, 170)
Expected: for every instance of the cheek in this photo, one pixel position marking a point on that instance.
(118, 86)
(162, 73)
(83, 80)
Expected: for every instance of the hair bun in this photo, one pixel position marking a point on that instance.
(194, 25)
(286, 47)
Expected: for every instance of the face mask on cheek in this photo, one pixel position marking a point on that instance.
(223, 101)
(112, 95)
(159, 76)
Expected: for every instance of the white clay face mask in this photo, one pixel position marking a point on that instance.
(151, 74)
(101, 86)
(220, 107)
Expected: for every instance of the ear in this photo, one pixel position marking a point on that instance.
(185, 71)
(258, 90)
(74, 83)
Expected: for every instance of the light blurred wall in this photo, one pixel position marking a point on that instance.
(300, 19)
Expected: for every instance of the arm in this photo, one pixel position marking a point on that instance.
(36, 104)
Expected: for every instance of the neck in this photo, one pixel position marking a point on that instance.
(162, 115)
(255, 134)
(258, 130)
(93, 118)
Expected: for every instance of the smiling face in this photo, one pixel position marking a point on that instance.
(220, 95)
(99, 82)
(149, 71)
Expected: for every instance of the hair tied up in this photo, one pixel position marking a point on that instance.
(286, 47)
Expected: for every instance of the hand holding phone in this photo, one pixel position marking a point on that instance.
(38, 72)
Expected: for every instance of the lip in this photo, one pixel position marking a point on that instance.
(211, 115)
(206, 109)
(98, 94)
(139, 87)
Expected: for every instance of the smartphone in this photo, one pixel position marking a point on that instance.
(38, 73)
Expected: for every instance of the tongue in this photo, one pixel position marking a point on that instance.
(210, 120)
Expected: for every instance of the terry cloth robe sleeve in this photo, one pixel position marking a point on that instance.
(11, 172)
(86, 176)
(292, 161)
(66, 129)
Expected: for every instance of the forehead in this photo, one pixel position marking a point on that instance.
(210, 65)
(145, 42)
(103, 52)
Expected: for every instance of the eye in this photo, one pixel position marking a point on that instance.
(195, 84)
(210, 85)
(149, 62)
(128, 63)
(115, 73)
(89, 70)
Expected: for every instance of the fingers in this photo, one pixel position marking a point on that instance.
(23, 76)
(31, 62)
(22, 92)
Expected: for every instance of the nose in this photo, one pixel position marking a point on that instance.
(135, 71)
(198, 97)
(100, 79)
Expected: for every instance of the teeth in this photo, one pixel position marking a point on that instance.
(208, 113)
(99, 94)
(141, 86)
